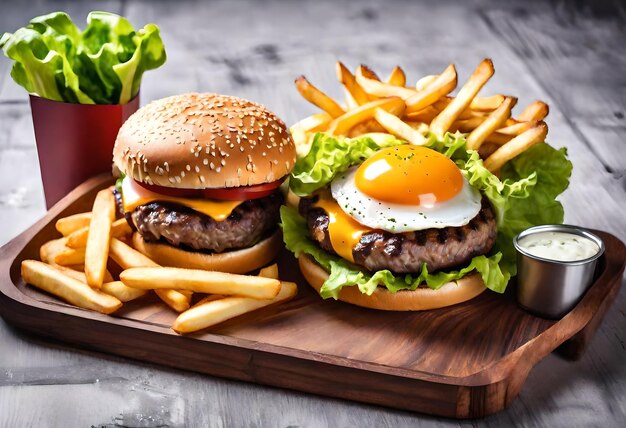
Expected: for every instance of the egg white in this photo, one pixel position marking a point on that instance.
(456, 211)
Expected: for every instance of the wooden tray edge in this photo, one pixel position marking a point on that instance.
(498, 379)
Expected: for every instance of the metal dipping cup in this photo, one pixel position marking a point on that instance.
(551, 288)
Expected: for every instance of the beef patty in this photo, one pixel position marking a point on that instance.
(407, 252)
(181, 226)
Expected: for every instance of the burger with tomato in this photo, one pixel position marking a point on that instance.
(200, 181)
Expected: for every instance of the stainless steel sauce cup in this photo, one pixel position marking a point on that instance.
(551, 288)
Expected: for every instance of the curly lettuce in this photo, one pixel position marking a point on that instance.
(103, 64)
(522, 197)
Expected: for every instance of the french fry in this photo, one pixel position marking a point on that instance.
(99, 237)
(269, 271)
(346, 78)
(394, 125)
(342, 124)
(50, 249)
(497, 117)
(368, 72)
(537, 110)
(440, 87)
(367, 127)
(516, 146)
(380, 89)
(351, 103)
(498, 138)
(318, 98)
(70, 256)
(314, 123)
(487, 149)
(425, 81)
(488, 103)
(78, 238)
(517, 128)
(50, 279)
(425, 115)
(397, 77)
(442, 123)
(67, 225)
(467, 125)
(201, 281)
(121, 292)
(216, 311)
(174, 299)
(127, 257)
(80, 275)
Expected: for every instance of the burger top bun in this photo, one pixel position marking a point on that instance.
(200, 141)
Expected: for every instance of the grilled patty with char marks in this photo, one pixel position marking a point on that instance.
(406, 252)
(178, 225)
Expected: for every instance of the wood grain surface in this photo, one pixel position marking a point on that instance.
(465, 361)
(570, 54)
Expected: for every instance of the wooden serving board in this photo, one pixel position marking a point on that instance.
(464, 361)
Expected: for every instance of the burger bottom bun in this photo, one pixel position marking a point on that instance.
(420, 299)
(236, 261)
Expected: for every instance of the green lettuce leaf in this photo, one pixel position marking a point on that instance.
(102, 64)
(330, 156)
(524, 196)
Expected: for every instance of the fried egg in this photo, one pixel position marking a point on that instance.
(406, 188)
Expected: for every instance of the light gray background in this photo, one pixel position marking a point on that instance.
(570, 54)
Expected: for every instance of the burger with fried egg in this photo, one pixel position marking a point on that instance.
(383, 224)
(201, 176)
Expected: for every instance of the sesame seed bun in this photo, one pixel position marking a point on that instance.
(202, 141)
(235, 261)
(420, 299)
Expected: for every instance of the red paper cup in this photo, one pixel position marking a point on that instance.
(75, 141)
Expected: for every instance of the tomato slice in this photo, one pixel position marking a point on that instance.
(241, 193)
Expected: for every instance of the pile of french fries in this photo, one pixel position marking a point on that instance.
(410, 112)
(74, 268)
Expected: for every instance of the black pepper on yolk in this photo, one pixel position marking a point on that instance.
(409, 175)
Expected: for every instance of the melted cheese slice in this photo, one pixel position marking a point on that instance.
(343, 230)
(133, 195)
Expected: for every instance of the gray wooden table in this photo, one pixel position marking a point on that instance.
(571, 54)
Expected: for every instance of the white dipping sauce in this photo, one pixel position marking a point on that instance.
(561, 246)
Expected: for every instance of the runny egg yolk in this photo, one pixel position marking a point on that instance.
(409, 175)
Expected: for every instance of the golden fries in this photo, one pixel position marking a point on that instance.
(477, 80)
(122, 292)
(391, 107)
(50, 279)
(516, 146)
(219, 310)
(488, 103)
(201, 281)
(98, 238)
(439, 87)
(127, 257)
(351, 86)
(319, 98)
(49, 250)
(78, 238)
(269, 271)
(67, 225)
(425, 81)
(493, 121)
(379, 89)
(397, 77)
(344, 123)
(69, 257)
(394, 125)
(536, 110)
